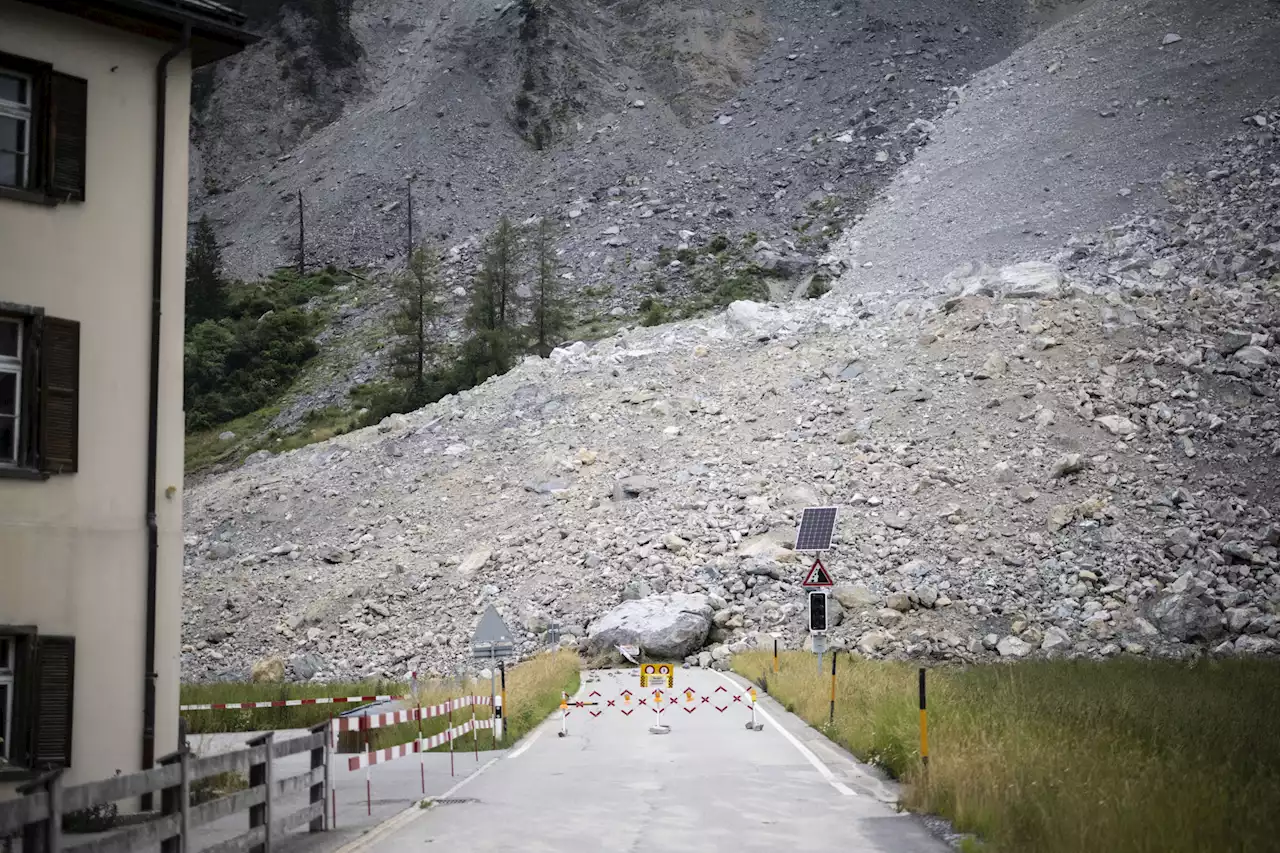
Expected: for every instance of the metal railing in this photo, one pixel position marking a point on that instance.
(36, 817)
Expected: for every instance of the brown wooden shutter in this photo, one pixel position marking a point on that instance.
(68, 131)
(59, 427)
(30, 438)
(54, 700)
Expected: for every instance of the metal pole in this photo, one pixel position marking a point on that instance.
(302, 239)
(422, 759)
(451, 737)
(493, 705)
(368, 769)
(502, 665)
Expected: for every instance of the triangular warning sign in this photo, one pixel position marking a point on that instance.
(818, 575)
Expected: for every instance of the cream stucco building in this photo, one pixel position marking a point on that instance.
(94, 107)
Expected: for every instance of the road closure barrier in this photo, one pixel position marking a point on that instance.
(420, 744)
(657, 701)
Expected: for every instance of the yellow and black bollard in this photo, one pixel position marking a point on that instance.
(831, 717)
(775, 655)
(924, 724)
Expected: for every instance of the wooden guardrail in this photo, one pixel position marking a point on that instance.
(37, 816)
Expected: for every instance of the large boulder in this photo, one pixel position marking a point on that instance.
(268, 670)
(670, 626)
(755, 319)
(1185, 617)
(1031, 280)
(855, 597)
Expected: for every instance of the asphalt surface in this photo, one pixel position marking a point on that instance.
(710, 784)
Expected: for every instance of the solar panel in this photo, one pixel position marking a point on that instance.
(816, 528)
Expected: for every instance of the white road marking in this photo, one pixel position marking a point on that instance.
(528, 743)
(407, 816)
(803, 750)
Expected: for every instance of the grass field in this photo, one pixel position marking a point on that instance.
(1122, 756)
(533, 692)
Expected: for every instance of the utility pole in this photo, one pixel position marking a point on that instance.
(409, 192)
(302, 239)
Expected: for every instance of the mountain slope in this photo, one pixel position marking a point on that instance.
(1069, 456)
(1071, 133)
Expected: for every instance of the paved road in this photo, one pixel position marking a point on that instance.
(396, 786)
(708, 785)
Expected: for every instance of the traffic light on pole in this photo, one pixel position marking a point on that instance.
(817, 610)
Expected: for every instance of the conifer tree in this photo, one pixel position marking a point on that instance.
(206, 289)
(550, 314)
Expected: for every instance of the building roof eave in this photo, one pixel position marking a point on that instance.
(217, 31)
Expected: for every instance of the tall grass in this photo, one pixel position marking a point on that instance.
(264, 719)
(533, 692)
(1123, 756)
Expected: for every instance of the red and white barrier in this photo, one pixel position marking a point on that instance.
(426, 744)
(289, 703)
(420, 744)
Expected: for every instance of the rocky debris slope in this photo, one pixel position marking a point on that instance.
(1069, 134)
(1065, 456)
(651, 133)
(658, 115)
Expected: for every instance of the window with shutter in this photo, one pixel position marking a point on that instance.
(52, 703)
(68, 130)
(59, 418)
(44, 118)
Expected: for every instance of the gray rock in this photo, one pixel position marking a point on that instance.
(854, 597)
(1117, 425)
(763, 567)
(1013, 647)
(663, 626)
(928, 596)
(1255, 356)
(994, 367)
(333, 555)
(899, 601)
(220, 551)
(474, 561)
(257, 457)
(1238, 618)
(633, 487)
(1031, 280)
(873, 641)
(227, 435)
(1184, 617)
(1067, 463)
(990, 642)
(1055, 639)
(549, 487)
(1252, 644)
(757, 320)
(307, 665)
(1234, 340)
(888, 617)
(636, 589)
